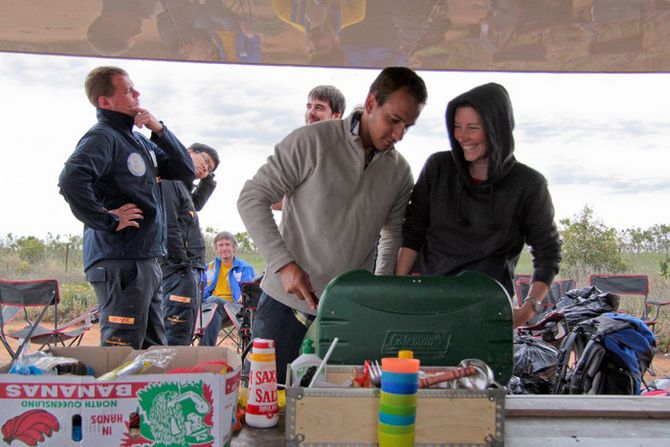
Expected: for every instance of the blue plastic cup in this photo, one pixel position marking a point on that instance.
(392, 419)
(399, 387)
(400, 377)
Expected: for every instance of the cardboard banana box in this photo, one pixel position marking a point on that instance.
(149, 409)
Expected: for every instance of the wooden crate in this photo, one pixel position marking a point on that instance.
(348, 416)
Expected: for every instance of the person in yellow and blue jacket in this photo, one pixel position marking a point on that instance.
(222, 282)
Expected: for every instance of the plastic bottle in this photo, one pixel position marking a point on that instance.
(305, 360)
(262, 405)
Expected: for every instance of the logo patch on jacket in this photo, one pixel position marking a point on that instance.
(180, 299)
(136, 165)
(120, 320)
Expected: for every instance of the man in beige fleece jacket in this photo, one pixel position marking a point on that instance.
(346, 190)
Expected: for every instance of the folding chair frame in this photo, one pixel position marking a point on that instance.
(521, 287)
(243, 317)
(70, 333)
(631, 285)
(27, 294)
(231, 328)
(240, 319)
(203, 319)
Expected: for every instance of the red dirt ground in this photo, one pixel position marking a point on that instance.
(92, 338)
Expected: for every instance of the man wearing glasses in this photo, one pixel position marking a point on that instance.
(185, 258)
(111, 183)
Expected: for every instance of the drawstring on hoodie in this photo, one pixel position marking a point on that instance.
(459, 207)
(493, 224)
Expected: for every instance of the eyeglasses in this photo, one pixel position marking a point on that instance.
(208, 162)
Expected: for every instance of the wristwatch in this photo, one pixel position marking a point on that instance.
(537, 305)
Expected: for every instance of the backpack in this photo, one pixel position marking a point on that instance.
(608, 354)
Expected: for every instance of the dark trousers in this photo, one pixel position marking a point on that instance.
(129, 296)
(181, 300)
(277, 321)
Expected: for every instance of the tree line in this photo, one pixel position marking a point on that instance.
(587, 244)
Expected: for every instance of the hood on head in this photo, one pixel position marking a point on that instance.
(493, 105)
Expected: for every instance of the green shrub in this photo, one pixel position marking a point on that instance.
(75, 299)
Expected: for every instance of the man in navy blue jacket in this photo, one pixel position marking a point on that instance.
(111, 184)
(185, 260)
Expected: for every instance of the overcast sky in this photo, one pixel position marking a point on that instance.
(601, 140)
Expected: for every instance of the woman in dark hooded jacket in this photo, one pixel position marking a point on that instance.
(474, 207)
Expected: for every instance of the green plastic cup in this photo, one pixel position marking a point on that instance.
(391, 440)
(397, 399)
(397, 410)
(395, 429)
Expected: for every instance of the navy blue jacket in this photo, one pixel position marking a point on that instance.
(185, 243)
(112, 166)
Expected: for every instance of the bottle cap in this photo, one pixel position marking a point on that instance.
(260, 343)
(405, 354)
(307, 347)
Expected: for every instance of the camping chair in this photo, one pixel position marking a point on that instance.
(521, 288)
(17, 295)
(70, 333)
(251, 294)
(630, 285)
(203, 319)
(241, 316)
(20, 295)
(231, 327)
(565, 284)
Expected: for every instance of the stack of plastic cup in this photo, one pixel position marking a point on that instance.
(397, 402)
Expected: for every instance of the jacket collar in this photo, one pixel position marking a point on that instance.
(352, 124)
(115, 119)
(235, 263)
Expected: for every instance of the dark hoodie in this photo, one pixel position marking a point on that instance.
(458, 225)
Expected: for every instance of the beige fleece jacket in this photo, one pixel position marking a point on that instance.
(334, 212)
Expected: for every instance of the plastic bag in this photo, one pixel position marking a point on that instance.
(157, 357)
(535, 363)
(40, 362)
(588, 302)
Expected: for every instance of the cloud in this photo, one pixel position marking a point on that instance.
(599, 138)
